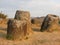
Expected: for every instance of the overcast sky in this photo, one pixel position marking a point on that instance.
(36, 7)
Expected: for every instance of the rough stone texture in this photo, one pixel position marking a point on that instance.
(50, 23)
(16, 29)
(24, 15)
(37, 21)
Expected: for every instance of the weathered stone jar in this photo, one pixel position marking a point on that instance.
(24, 15)
(16, 29)
(50, 23)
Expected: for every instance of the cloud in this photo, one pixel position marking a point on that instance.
(36, 7)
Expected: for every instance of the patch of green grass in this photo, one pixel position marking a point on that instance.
(59, 22)
(9, 37)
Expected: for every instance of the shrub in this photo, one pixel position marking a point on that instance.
(3, 16)
(59, 21)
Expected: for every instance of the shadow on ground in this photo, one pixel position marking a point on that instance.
(36, 29)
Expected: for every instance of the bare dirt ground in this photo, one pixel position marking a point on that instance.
(37, 38)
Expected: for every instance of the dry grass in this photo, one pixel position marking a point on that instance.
(37, 38)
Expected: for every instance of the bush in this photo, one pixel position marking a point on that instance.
(59, 21)
(3, 16)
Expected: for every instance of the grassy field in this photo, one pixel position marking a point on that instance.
(37, 38)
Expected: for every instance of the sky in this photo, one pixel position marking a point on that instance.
(37, 8)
